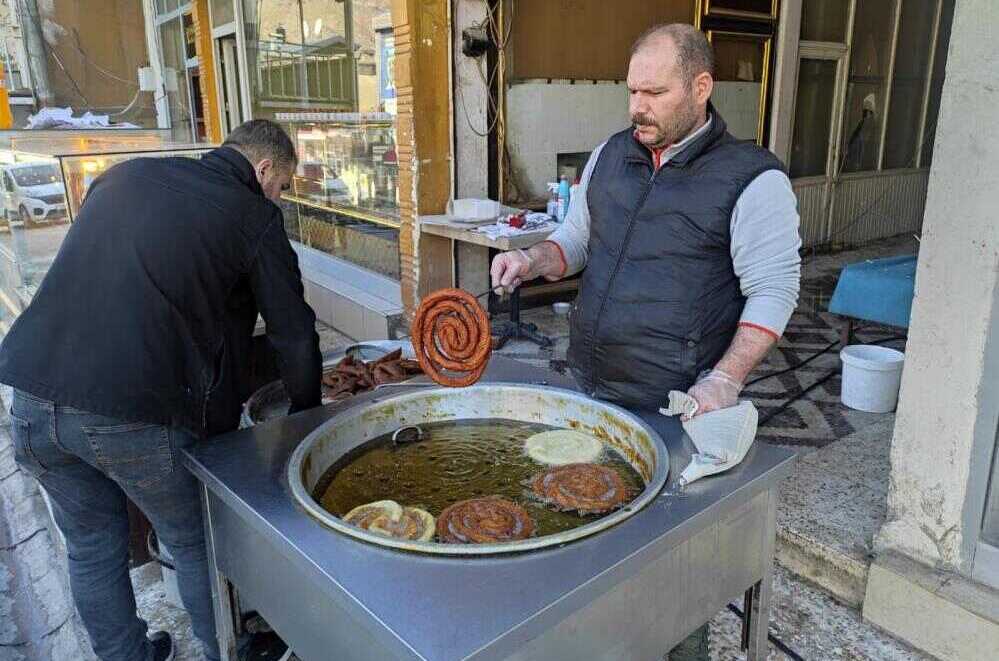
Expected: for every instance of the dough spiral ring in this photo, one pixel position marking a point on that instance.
(389, 518)
(484, 520)
(451, 332)
(583, 488)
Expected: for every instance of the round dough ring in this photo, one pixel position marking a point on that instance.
(386, 517)
(559, 447)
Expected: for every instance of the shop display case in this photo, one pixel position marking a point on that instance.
(44, 177)
(344, 195)
(347, 163)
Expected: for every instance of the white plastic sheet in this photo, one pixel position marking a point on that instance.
(62, 118)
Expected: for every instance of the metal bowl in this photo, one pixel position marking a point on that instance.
(624, 432)
(271, 401)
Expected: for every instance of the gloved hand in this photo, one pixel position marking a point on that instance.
(510, 269)
(714, 390)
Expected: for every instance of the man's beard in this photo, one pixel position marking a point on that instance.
(675, 128)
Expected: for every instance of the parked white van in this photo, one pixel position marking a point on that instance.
(32, 193)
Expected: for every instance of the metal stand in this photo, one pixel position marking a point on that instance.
(516, 329)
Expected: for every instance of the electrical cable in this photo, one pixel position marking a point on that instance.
(778, 643)
(795, 366)
(788, 402)
(86, 58)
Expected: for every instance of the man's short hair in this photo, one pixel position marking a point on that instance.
(260, 139)
(694, 54)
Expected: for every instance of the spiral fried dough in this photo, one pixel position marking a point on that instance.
(484, 520)
(583, 488)
(388, 518)
(451, 332)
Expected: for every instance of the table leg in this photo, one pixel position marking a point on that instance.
(846, 333)
(757, 609)
(747, 618)
(514, 328)
(223, 593)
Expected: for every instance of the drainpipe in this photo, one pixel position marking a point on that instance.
(34, 45)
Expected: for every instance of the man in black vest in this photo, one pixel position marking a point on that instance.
(689, 239)
(127, 353)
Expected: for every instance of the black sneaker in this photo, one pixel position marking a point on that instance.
(162, 646)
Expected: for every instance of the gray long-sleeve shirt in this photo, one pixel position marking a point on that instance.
(764, 247)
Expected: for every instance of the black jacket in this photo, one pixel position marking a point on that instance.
(659, 301)
(154, 294)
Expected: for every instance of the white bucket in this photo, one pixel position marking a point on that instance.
(871, 377)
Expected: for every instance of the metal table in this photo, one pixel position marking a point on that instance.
(631, 592)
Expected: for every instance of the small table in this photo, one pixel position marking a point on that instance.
(456, 230)
(878, 290)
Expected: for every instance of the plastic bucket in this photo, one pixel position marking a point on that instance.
(871, 377)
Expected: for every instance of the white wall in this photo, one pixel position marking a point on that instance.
(471, 147)
(544, 120)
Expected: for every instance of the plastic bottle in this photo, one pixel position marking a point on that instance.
(552, 209)
(563, 198)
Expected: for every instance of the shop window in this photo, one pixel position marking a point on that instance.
(912, 59)
(742, 63)
(813, 111)
(300, 56)
(867, 86)
(223, 12)
(368, 245)
(324, 70)
(824, 20)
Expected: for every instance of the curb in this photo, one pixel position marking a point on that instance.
(37, 617)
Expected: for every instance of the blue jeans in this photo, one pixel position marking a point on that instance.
(88, 463)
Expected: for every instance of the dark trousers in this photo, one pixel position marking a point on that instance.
(88, 463)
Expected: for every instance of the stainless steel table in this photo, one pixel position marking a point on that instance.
(631, 592)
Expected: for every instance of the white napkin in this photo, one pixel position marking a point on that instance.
(722, 437)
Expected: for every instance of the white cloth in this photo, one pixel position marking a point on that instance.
(722, 437)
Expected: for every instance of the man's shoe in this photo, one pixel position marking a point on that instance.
(162, 646)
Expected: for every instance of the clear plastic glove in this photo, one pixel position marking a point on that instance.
(510, 269)
(714, 390)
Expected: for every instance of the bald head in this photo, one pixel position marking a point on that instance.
(669, 83)
(685, 44)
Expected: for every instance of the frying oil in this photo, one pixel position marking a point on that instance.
(454, 461)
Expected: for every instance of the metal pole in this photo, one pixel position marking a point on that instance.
(34, 44)
(303, 93)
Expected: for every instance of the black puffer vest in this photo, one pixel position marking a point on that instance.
(659, 301)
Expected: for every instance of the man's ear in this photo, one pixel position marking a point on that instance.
(263, 167)
(703, 86)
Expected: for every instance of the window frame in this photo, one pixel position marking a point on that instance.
(767, 41)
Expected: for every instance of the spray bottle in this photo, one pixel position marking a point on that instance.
(563, 198)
